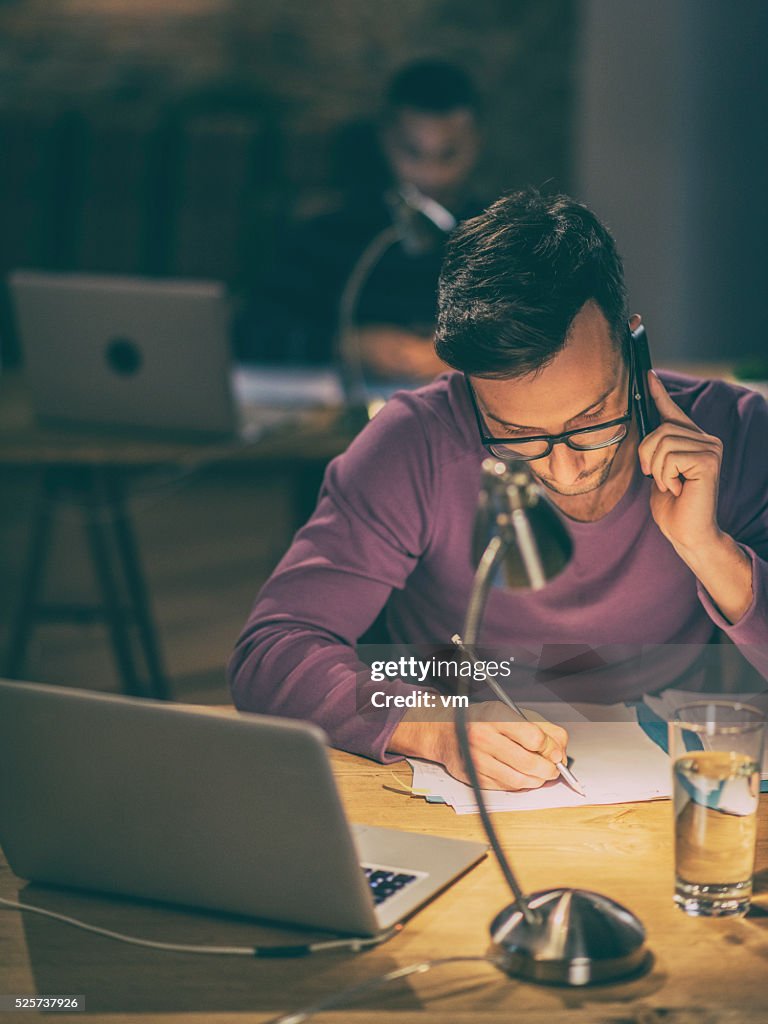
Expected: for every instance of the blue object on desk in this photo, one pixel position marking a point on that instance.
(655, 728)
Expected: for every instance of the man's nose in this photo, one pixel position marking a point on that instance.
(564, 464)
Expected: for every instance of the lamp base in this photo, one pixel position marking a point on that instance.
(580, 938)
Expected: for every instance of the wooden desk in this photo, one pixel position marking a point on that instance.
(96, 470)
(706, 971)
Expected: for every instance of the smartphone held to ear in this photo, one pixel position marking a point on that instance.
(646, 413)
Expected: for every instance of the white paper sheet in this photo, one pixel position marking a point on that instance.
(614, 761)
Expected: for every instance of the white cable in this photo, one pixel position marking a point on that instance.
(355, 944)
(299, 1016)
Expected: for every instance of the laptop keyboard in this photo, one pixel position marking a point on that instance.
(384, 883)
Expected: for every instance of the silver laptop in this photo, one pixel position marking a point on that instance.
(229, 813)
(114, 351)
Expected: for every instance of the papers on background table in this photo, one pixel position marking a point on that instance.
(613, 759)
(665, 704)
(272, 397)
(287, 386)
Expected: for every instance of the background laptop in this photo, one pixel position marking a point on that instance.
(172, 803)
(154, 354)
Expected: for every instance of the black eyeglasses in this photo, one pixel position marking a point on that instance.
(538, 446)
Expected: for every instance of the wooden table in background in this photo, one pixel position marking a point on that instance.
(705, 971)
(96, 470)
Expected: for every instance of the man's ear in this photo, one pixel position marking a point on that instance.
(634, 321)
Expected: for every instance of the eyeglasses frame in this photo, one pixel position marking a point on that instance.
(552, 439)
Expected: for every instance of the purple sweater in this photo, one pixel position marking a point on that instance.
(394, 524)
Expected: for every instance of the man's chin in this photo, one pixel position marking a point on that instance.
(590, 483)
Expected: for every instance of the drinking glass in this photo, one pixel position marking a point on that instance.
(716, 748)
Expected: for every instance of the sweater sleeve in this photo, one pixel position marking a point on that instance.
(296, 656)
(743, 513)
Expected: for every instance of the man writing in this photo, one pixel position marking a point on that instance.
(670, 536)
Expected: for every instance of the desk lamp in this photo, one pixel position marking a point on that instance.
(556, 936)
(420, 225)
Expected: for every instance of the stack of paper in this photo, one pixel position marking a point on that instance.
(613, 760)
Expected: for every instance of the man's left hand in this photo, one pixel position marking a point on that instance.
(397, 352)
(684, 462)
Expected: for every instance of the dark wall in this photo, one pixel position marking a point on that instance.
(170, 137)
(670, 148)
(317, 62)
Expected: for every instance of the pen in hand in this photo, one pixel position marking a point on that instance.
(565, 773)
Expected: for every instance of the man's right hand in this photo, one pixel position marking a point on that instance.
(509, 753)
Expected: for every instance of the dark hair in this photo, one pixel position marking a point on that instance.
(434, 86)
(514, 278)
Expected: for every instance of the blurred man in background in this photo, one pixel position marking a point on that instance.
(429, 135)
